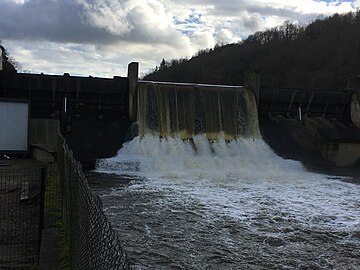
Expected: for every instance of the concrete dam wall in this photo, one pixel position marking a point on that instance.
(317, 127)
(93, 112)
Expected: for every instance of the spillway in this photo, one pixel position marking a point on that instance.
(184, 110)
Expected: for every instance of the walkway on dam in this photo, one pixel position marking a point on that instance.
(23, 245)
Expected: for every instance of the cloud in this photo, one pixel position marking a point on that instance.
(61, 21)
(140, 30)
(54, 58)
(52, 20)
(203, 38)
(107, 15)
(225, 36)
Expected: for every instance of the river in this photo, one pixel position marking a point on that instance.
(236, 205)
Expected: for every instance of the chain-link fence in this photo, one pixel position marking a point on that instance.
(93, 243)
(88, 240)
(21, 206)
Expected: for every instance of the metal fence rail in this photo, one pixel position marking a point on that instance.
(20, 217)
(292, 101)
(93, 242)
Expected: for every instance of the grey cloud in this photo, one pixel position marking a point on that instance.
(284, 13)
(81, 21)
(57, 20)
(234, 8)
(248, 11)
(253, 22)
(145, 32)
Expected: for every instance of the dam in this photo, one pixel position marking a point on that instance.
(190, 175)
(95, 114)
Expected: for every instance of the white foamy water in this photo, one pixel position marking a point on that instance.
(275, 204)
(175, 159)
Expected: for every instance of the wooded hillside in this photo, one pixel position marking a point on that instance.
(323, 54)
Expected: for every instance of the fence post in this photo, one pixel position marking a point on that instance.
(42, 204)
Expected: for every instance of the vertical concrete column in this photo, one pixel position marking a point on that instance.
(133, 75)
(252, 80)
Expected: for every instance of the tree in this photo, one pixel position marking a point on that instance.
(163, 65)
(9, 63)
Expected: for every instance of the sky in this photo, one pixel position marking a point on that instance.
(101, 37)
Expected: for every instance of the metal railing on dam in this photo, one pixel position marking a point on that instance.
(93, 243)
(295, 101)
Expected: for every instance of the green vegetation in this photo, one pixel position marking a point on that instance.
(323, 54)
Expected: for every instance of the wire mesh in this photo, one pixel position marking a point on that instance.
(20, 216)
(93, 243)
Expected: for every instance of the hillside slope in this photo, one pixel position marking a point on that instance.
(323, 54)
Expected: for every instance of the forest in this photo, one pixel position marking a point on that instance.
(324, 54)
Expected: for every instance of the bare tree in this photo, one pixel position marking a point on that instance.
(9, 63)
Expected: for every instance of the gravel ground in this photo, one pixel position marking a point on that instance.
(19, 218)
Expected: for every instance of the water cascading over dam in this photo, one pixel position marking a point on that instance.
(185, 110)
(229, 202)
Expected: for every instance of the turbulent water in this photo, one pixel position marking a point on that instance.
(237, 205)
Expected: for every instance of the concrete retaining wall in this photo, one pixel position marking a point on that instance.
(316, 142)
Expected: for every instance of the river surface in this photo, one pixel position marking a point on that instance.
(224, 205)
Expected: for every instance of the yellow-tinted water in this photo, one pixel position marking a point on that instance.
(175, 110)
